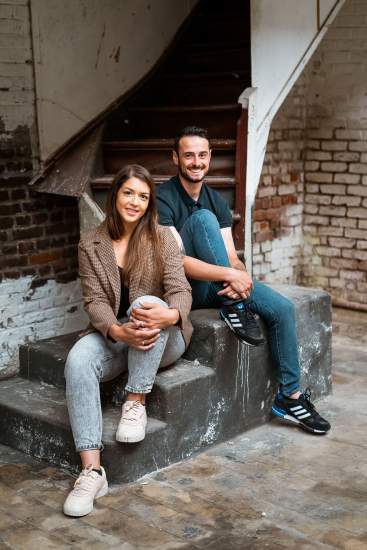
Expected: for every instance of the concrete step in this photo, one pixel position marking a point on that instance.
(34, 419)
(219, 389)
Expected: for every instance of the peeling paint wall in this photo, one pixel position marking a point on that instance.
(89, 53)
(39, 293)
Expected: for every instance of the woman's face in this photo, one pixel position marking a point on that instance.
(132, 201)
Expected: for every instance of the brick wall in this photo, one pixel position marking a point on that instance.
(335, 209)
(279, 200)
(315, 233)
(39, 294)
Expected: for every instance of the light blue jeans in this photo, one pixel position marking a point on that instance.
(93, 360)
(202, 239)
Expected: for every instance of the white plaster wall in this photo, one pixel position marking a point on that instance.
(30, 314)
(88, 53)
(281, 33)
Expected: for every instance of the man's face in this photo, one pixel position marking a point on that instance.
(193, 158)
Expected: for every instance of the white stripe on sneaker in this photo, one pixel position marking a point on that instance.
(304, 416)
(296, 408)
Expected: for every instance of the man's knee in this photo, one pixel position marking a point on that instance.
(286, 308)
(205, 217)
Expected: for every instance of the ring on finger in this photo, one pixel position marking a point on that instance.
(143, 342)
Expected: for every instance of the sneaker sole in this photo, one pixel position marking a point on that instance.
(125, 439)
(238, 338)
(288, 418)
(102, 492)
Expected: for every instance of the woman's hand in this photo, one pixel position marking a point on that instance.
(154, 316)
(142, 339)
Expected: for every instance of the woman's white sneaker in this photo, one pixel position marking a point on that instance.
(133, 422)
(89, 485)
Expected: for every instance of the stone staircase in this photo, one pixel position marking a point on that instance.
(219, 389)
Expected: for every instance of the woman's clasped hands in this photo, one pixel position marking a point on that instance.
(145, 324)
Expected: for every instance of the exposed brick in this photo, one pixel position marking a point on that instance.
(358, 168)
(316, 220)
(318, 199)
(328, 251)
(312, 188)
(320, 155)
(45, 258)
(26, 246)
(347, 201)
(312, 166)
(356, 234)
(342, 242)
(360, 190)
(333, 189)
(346, 157)
(319, 177)
(357, 213)
(341, 263)
(325, 133)
(18, 194)
(6, 223)
(331, 231)
(311, 208)
(359, 146)
(347, 178)
(352, 275)
(350, 134)
(355, 254)
(343, 222)
(29, 233)
(23, 221)
(333, 210)
(334, 166)
(334, 145)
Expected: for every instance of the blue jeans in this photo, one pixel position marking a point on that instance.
(202, 239)
(93, 360)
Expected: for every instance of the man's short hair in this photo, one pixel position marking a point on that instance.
(190, 131)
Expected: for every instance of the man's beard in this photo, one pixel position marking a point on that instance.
(187, 176)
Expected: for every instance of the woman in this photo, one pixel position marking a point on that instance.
(138, 301)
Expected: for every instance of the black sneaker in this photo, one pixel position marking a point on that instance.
(300, 411)
(242, 322)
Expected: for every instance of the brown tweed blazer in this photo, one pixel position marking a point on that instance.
(101, 282)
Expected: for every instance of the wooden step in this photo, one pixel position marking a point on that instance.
(101, 183)
(167, 121)
(156, 156)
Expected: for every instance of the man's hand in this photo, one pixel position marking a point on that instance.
(154, 316)
(136, 337)
(238, 282)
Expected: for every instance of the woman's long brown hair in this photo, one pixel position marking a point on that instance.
(145, 235)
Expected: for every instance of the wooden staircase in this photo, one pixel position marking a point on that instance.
(198, 84)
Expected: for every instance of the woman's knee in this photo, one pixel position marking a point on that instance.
(138, 302)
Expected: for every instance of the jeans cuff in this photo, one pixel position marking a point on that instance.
(145, 389)
(91, 447)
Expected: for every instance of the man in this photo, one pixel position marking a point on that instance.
(200, 220)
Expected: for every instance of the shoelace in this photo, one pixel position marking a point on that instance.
(131, 413)
(307, 398)
(84, 483)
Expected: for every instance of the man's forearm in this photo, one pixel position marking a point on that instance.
(202, 271)
(237, 264)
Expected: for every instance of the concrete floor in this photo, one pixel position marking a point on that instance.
(272, 488)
